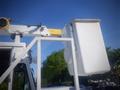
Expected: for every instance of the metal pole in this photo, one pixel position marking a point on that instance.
(17, 41)
(76, 78)
(32, 85)
(39, 64)
(11, 74)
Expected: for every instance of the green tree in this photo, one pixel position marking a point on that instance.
(114, 59)
(55, 70)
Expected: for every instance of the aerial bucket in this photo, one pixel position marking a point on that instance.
(89, 47)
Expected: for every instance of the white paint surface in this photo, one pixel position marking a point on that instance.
(90, 49)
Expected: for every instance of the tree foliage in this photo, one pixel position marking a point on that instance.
(114, 59)
(111, 78)
(55, 69)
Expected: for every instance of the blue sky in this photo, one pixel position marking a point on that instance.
(56, 13)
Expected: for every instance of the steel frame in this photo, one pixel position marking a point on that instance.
(71, 40)
(37, 40)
